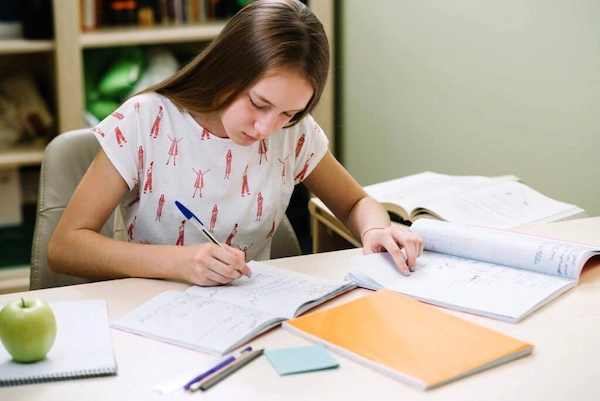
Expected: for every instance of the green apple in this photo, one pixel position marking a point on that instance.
(27, 329)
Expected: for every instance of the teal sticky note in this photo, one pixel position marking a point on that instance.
(301, 359)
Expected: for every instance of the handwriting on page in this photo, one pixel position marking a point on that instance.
(270, 290)
(504, 248)
(466, 283)
(194, 321)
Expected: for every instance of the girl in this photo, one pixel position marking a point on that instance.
(248, 94)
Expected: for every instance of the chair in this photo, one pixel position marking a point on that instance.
(65, 161)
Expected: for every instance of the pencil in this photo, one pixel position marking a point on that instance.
(233, 367)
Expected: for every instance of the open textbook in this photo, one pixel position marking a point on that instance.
(217, 320)
(500, 274)
(500, 202)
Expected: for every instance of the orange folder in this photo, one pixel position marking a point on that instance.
(408, 340)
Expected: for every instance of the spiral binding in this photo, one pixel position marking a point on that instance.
(83, 374)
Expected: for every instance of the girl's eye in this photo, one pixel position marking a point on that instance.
(255, 105)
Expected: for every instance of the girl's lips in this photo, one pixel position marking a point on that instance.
(248, 137)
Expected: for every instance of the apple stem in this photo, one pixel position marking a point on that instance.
(23, 302)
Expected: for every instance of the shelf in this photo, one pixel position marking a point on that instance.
(14, 279)
(22, 155)
(123, 36)
(13, 46)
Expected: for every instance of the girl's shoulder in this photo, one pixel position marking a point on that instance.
(149, 100)
(305, 126)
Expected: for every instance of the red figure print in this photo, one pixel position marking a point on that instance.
(130, 229)
(118, 115)
(245, 187)
(120, 136)
(262, 150)
(181, 233)
(228, 158)
(272, 227)
(302, 172)
(136, 107)
(245, 249)
(140, 159)
(259, 205)
(98, 131)
(199, 184)
(283, 162)
(133, 201)
(156, 126)
(159, 209)
(300, 144)
(174, 149)
(213, 218)
(233, 233)
(205, 134)
(148, 184)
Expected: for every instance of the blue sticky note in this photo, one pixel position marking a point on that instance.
(301, 359)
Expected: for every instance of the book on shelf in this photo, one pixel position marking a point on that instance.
(408, 340)
(495, 273)
(82, 348)
(501, 202)
(217, 320)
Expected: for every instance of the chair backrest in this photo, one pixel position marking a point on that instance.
(66, 159)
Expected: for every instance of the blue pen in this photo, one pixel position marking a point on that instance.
(191, 217)
(215, 368)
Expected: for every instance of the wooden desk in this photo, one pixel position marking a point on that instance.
(564, 364)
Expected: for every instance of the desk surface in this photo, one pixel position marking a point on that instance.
(564, 364)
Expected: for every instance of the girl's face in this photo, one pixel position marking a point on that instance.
(266, 107)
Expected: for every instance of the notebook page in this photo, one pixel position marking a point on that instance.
(271, 290)
(472, 286)
(198, 323)
(82, 347)
(543, 255)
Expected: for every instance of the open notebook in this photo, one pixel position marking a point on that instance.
(217, 320)
(83, 347)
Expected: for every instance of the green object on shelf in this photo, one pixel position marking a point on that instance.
(102, 108)
(122, 75)
(16, 244)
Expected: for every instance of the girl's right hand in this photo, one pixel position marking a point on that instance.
(208, 264)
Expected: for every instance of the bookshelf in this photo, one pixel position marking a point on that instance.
(60, 63)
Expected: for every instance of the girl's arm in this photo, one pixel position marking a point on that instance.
(364, 216)
(77, 247)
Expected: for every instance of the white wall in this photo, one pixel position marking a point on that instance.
(473, 87)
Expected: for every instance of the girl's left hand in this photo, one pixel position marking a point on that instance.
(392, 239)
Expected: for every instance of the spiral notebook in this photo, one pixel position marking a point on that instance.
(83, 347)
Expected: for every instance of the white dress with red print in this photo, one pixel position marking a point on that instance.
(178, 182)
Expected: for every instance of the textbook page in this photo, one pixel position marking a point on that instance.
(275, 291)
(481, 288)
(196, 322)
(417, 190)
(502, 205)
(522, 251)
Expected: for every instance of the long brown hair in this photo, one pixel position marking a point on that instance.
(263, 36)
